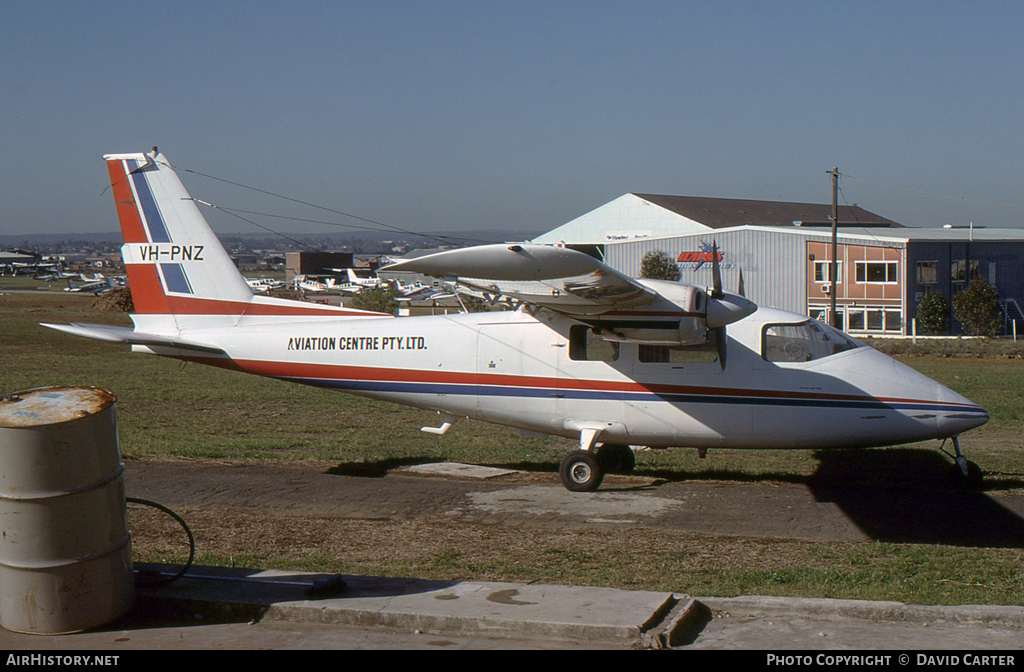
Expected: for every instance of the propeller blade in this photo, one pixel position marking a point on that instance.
(741, 290)
(720, 339)
(716, 273)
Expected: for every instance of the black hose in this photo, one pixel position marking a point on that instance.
(191, 539)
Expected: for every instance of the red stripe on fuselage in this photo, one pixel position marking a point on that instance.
(295, 370)
(124, 199)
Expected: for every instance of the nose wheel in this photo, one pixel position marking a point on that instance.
(964, 473)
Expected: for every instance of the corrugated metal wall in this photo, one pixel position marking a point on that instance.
(774, 262)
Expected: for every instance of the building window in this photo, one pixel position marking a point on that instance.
(875, 319)
(893, 320)
(927, 272)
(877, 272)
(823, 269)
(958, 270)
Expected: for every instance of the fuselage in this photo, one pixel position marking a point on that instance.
(780, 381)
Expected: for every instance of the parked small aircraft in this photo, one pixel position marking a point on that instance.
(93, 287)
(264, 285)
(590, 353)
(355, 279)
(310, 283)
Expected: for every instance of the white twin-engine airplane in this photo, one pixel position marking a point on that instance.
(590, 354)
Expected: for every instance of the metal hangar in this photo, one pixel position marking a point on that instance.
(781, 253)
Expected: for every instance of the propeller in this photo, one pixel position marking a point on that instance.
(722, 308)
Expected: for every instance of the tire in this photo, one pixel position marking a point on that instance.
(581, 472)
(616, 458)
(972, 481)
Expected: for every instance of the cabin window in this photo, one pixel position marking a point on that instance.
(679, 354)
(803, 342)
(586, 345)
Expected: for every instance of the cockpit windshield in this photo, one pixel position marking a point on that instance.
(804, 342)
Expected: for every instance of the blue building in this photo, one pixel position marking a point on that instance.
(946, 260)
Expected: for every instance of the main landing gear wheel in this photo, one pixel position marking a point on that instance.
(616, 458)
(581, 471)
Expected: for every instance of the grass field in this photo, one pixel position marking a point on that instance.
(169, 409)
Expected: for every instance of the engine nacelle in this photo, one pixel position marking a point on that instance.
(693, 331)
(677, 318)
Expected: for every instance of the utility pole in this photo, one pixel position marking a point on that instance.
(834, 270)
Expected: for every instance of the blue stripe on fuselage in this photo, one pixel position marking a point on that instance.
(402, 387)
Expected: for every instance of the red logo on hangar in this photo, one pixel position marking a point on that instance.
(688, 257)
(705, 255)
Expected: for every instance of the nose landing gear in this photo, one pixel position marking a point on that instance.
(964, 473)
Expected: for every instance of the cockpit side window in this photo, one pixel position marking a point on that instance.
(803, 342)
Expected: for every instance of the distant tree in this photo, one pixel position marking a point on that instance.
(659, 266)
(977, 309)
(932, 314)
(381, 299)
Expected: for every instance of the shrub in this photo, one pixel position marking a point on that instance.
(977, 309)
(932, 314)
(659, 266)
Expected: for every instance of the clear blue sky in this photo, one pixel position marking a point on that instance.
(486, 114)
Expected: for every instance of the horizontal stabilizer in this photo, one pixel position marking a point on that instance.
(113, 334)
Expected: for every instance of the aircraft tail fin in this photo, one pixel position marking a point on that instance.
(174, 262)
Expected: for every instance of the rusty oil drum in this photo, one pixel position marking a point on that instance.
(65, 549)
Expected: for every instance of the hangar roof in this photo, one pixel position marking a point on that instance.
(718, 213)
(640, 216)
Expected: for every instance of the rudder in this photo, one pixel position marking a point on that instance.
(174, 262)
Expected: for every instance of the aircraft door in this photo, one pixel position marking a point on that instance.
(593, 375)
(516, 370)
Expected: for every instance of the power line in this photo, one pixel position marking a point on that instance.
(945, 197)
(381, 225)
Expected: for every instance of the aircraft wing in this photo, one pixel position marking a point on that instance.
(113, 334)
(563, 280)
(566, 281)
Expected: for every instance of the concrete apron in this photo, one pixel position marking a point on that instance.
(577, 613)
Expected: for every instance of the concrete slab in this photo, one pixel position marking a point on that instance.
(465, 608)
(868, 610)
(459, 470)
